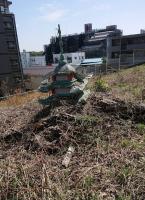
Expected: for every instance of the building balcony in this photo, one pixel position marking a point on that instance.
(135, 46)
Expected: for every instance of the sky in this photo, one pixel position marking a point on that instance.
(37, 20)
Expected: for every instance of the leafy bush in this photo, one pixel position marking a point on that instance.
(101, 86)
(104, 60)
(141, 128)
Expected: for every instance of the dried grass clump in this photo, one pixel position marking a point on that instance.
(19, 99)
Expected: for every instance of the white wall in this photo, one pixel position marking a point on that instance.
(32, 61)
(37, 61)
(73, 58)
(25, 58)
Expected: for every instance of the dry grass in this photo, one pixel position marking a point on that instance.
(19, 99)
(108, 162)
(126, 85)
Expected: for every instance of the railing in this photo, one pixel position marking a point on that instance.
(135, 46)
(4, 11)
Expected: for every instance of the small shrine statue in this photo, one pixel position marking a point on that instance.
(65, 80)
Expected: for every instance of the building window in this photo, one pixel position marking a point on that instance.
(115, 42)
(11, 45)
(115, 54)
(75, 58)
(8, 25)
(14, 62)
(69, 59)
(2, 9)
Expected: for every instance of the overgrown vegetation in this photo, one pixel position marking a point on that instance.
(39, 53)
(108, 162)
(101, 85)
(128, 85)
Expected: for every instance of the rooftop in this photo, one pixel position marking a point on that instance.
(38, 71)
(92, 61)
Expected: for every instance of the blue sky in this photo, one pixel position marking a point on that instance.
(37, 19)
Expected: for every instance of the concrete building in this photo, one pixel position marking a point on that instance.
(92, 41)
(96, 45)
(25, 58)
(32, 61)
(126, 50)
(73, 58)
(10, 63)
(88, 28)
(37, 61)
(110, 43)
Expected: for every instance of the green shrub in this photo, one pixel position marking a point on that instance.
(141, 128)
(104, 60)
(101, 86)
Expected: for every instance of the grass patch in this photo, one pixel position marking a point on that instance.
(18, 99)
(141, 128)
(88, 118)
(101, 86)
(132, 144)
(126, 84)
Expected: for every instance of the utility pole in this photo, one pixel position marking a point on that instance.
(119, 62)
(133, 58)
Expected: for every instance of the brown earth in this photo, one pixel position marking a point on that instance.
(108, 163)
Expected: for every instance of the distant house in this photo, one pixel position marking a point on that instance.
(34, 76)
(32, 60)
(37, 61)
(73, 58)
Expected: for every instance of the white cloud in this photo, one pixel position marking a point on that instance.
(51, 12)
(102, 7)
(86, 1)
(45, 6)
(53, 15)
(97, 5)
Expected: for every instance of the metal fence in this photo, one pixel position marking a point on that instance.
(126, 60)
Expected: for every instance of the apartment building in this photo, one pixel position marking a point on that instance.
(11, 73)
(126, 50)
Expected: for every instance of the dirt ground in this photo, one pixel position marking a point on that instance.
(108, 162)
